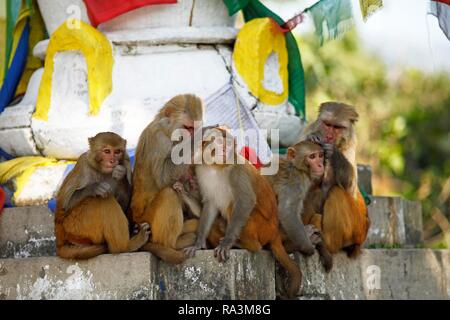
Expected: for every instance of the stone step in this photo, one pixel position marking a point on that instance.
(376, 274)
(28, 231)
(395, 222)
(139, 276)
(380, 274)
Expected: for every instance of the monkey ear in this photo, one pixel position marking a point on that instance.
(291, 153)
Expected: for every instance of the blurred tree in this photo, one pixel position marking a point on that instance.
(404, 122)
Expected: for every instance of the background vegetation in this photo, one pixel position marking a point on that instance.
(404, 123)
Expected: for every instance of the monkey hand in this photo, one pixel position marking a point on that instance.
(119, 172)
(328, 149)
(178, 187)
(313, 234)
(222, 251)
(315, 137)
(190, 251)
(103, 189)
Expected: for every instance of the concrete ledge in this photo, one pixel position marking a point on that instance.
(27, 232)
(244, 276)
(376, 274)
(127, 276)
(395, 221)
(139, 276)
(379, 274)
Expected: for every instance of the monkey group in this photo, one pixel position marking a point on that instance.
(217, 199)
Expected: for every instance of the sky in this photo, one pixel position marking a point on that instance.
(401, 33)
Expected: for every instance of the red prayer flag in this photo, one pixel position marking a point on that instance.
(2, 199)
(249, 154)
(100, 11)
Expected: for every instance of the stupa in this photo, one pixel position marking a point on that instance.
(117, 76)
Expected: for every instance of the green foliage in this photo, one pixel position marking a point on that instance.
(404, 124)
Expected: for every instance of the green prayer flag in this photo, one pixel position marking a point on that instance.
(254, 9)
(234, 6)
(332, 18)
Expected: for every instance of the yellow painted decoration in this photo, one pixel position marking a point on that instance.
(255, 42)
(37, 34)
(97, 51)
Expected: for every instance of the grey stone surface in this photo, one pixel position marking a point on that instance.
(244, 276)
(27, 232)
(376, 274)
(365, 178)
(125, 276)
(379, 274)
(394, 221)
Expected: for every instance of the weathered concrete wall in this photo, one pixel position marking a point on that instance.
(127, 276)
(243, 276)
(27, 232)
(380, 274)
(376, 274)
(139, 276)
(395, 221)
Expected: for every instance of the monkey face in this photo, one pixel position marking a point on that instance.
(315, 162)
(183, 111)
(331, 132)
(109, 157)
(218, 146)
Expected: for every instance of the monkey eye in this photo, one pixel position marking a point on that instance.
(117, 151)
(312, 156)
(107, 151)
(321, 155)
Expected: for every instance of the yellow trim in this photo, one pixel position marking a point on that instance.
(23, 168)
(97, 51)
(256, 41)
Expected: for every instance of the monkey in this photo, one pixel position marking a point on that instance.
(154, 200)
(234, 192)
(295, 185)
(91, 203)
(345, 220)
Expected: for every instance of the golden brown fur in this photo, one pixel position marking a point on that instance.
(87, 224)
(154, 200)
(345, 220)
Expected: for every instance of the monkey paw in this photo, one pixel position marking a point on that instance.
(328, 148)
(144, 233)
(119, 172)
(222, 251)
(313, 234)
(314, 137)
(178, 187)
(190, 251)
(103, 189)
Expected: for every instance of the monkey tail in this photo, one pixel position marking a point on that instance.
(293, 269)
(81, 252)
(166, 254)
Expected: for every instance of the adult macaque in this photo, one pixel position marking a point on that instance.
(345, 221)
(154, 200)
(91, 202)
(299, 178)
(235, 193)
